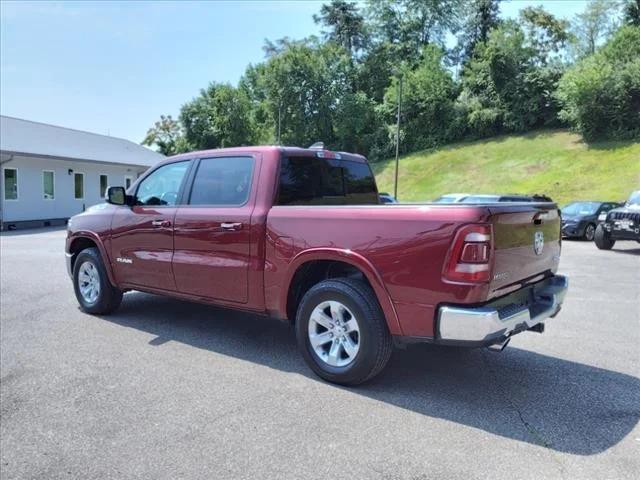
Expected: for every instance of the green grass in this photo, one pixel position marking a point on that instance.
(552, 162)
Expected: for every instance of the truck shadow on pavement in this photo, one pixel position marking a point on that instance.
(518, 394)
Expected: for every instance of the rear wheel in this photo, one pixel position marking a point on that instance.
(341, 331)
(603, 239)
(589, 232)
(93, 289)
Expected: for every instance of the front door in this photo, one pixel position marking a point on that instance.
(142, 235)
(213, 231)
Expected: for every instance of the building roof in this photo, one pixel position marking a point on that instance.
(24, 137)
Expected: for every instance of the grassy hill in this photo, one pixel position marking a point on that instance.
(554, 162)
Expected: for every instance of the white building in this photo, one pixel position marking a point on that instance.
(51, 173)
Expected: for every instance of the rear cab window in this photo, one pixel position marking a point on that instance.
(325, 181)
(223, 181)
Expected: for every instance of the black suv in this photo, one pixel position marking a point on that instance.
(621, 224)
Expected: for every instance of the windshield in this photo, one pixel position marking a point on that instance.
(634, 199)
(581, 208)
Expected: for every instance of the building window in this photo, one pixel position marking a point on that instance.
(104, 180)
(48, 185)
(127, 182)
(78, 185)
(10, 184)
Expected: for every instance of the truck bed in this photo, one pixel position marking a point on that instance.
(407, 245)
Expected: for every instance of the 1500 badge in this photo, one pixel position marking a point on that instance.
(124, 260)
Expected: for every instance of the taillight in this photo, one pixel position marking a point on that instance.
(469, 259)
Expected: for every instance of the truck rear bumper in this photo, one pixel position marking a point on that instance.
(497, 321)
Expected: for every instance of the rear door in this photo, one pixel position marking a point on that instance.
(142, 235)
(212, 236)
(526, 240)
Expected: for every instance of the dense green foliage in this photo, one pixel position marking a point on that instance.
(501, 76)
(601, 94)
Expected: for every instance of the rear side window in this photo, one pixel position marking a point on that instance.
(324, 181)
(222, 181)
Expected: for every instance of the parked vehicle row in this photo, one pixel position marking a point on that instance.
(301, 235)
(580, 219)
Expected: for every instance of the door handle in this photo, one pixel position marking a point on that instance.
(161, 223)
(231, 226)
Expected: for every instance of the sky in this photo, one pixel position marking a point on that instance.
(115, 67)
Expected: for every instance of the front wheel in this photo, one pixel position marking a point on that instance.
(603, 239)
(342, 332)
(589, 232)
(93, 289)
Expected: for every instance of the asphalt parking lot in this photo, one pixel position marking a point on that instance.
(167, 389)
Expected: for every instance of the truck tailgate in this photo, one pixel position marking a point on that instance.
(527, 244)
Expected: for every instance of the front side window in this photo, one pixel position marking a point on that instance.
(10, 184)
(104, 180)
(162, 186)
(222, 181)
(78, 185)
(324, 181)
(48, 187)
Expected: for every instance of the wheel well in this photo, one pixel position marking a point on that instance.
(78, 245)
(314, 272)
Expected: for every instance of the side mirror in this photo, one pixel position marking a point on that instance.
(116, 196)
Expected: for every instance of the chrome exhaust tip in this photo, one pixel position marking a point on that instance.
(498, 347)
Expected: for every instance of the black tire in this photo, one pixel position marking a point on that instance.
(109, 298)
(589, 232)
(603, 239)
(375, 343)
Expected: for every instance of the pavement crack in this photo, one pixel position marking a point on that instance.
(536, 436)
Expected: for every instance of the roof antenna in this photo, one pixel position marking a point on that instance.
(317, 146)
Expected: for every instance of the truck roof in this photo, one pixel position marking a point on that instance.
(287, 150)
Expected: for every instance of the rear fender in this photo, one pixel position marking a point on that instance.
(354, 259)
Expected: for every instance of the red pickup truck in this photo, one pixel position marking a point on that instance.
(300, 234)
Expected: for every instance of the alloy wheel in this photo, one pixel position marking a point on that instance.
(89, 282)
(334, 333)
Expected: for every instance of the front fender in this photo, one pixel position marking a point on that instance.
(85, 234)
(356, 260)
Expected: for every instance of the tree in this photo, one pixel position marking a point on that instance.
(632, 13)
(219, 117)
(356, 121)
(166, 135)
(345, 25)
(428, 102)
(545, 33)
(600, 95)
(503, 87)
(482, 17)
(413, 24)
(375, 70)
(592, 27)
(302, 86)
